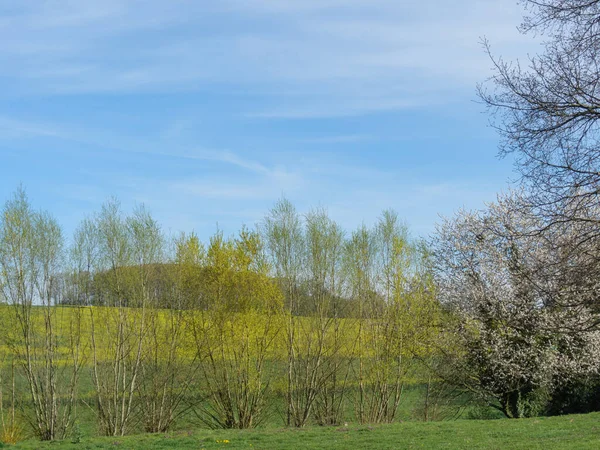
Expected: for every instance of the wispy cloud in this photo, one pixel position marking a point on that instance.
(207, 110)
(318, 58)
(265, 185)
(233, 159)
(13, 129)
(338, 139)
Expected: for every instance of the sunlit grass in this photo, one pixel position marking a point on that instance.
(566, 432)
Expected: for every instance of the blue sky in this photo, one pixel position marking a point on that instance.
(208, 112)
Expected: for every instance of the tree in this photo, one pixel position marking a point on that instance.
(548, 114)
(519, 327)
(396, 308)
(324, 335)
(31, 266)
(360, 268)
(236, 334)
(284, 239)
(129, 249)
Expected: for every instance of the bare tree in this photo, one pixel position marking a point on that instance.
(548, 113)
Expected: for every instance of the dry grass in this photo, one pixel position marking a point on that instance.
(11, 432)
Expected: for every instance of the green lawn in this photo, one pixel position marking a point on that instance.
(576, 432)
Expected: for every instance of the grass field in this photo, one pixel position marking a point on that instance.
(566, 432)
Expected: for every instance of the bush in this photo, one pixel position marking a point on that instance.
(483, 412)
(579, 396)
(534, 403)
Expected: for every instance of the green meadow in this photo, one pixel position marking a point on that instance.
(566, 432)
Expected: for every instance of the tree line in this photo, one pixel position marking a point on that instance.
(162, 327)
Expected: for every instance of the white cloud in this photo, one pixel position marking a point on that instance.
(265, 186)
(316, 58)
(12, 128)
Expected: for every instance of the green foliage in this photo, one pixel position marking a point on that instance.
(483, 412)
(237, 331)
(578, 396)
(76, 434)
(533, 404)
